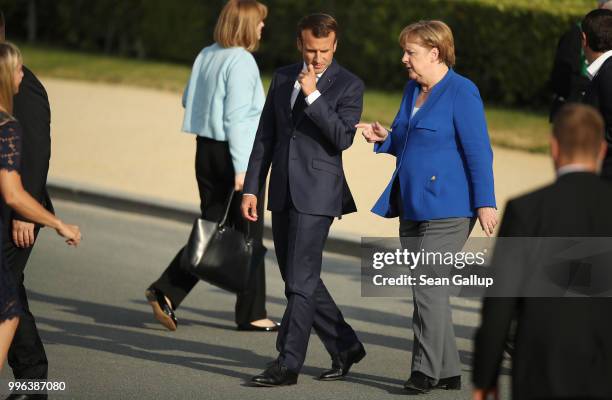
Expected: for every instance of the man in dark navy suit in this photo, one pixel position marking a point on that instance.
(563, 345)
(597, 45)
(26, 355)
(307, 122)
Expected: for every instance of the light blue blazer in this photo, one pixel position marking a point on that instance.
(223, 100)
(444, 158)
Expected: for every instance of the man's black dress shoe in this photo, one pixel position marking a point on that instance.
(275, 375)
(342, 363)
(419, 383)
(162, 311)
(253, 328)
(450, 383)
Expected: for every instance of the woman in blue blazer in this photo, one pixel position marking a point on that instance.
(442, 183)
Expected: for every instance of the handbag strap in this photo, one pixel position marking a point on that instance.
(227, 209)
(228, 205)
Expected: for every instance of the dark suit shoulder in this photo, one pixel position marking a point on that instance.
(534, 196)
(30, 81)
(582, 184)
(31, 103)
(30, 76)
(530, 203)
(606, 67)
(604, 75)
(576, 204)
(348, 76)
(288, 70)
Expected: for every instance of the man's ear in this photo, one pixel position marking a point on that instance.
(299, 43)
(583, 40)
(603, 150)
(554, 148)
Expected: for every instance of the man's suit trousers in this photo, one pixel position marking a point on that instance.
(299, 240)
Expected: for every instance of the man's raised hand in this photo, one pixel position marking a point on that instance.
(308, 80)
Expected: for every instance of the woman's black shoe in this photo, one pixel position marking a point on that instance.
(162, 311)
(450, 383)
(253, 328)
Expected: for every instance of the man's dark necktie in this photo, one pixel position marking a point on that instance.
(298, 107)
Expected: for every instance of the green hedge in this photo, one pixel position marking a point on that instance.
(505, 46)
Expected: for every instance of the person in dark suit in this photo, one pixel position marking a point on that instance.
(569, 77)
(307, 122)
(563, 346)
(597, 44)
(27, 355)
(13, 303)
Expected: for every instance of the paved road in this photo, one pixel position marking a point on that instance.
(102, 341)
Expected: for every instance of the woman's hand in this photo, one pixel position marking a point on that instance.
(373, 132)
(487, 216)
(71, 233)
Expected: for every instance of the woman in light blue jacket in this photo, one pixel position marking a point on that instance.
(442, 184)
(223, 101)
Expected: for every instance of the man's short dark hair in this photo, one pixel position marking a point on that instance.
(597, 26)
(579, 130)
(1, 18)
(321, 25)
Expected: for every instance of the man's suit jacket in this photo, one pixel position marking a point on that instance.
(599, 95)
(31, 108)
(563, 346)
(306, 156)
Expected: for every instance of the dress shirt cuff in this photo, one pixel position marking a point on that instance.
(312, 97)
(248, 194)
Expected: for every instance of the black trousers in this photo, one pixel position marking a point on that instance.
(215, 176)
(299, 240)
(26, 355)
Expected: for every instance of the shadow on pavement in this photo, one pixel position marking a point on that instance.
(104, 333)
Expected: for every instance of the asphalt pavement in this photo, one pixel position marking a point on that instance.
(102, 341)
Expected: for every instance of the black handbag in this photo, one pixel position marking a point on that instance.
(220, 254)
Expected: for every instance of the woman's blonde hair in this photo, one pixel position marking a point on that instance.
(237, 24)
(10, 59)
(432, 34)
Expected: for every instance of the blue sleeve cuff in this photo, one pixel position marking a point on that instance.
(385, 146)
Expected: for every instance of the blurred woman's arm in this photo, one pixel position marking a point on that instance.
(19, 200)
